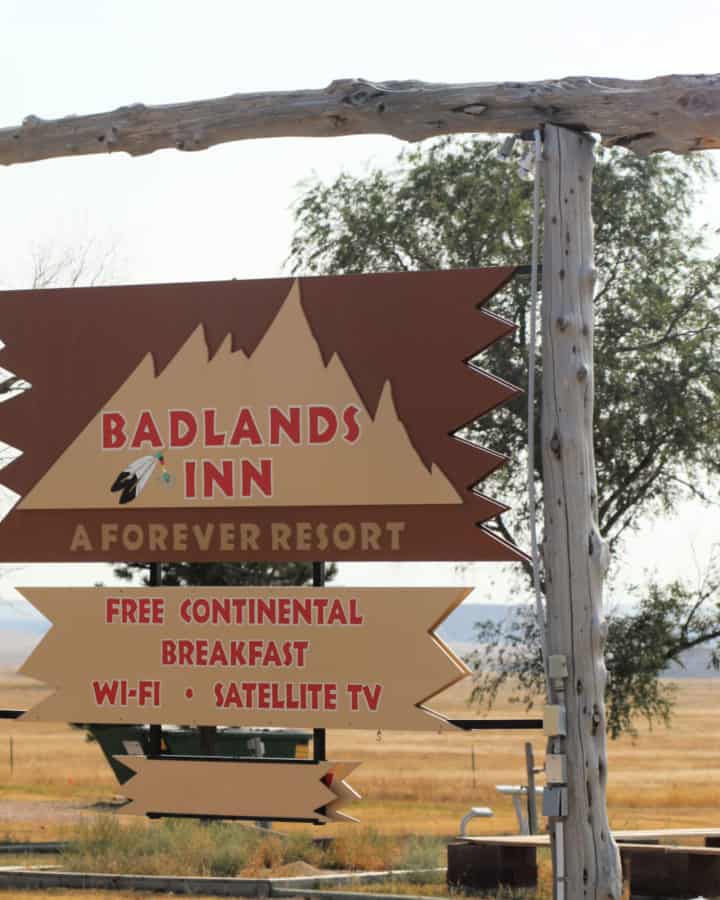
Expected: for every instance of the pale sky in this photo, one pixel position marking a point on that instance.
(226, 212)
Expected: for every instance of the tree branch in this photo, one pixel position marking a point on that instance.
(680, 113)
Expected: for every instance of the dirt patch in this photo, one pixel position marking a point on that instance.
(43, 811)
(297, 869)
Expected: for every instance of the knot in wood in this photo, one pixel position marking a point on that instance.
(32, 121)
(110, 136)
(472, 109)
(582, 373)
(556, 445)
(362, 92)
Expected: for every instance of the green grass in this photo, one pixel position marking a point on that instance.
(187, 847)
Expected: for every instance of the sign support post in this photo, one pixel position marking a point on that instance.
(319, 745)
(586, 862)
(155, 730)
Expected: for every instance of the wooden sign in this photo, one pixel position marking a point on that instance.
(286, 656)
(239, 789)
(283, 419)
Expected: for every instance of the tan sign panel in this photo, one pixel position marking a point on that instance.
(285, 419)
(287, 656)
(239, 789)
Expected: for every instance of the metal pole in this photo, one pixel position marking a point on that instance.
(318, 569)
(531, 794)
(207, 739)
(155, 730)
(319, 745)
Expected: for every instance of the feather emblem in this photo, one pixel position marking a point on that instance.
(134, 477)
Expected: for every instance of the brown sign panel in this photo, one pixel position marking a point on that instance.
(233, 789)
(270, 420)
(287, 656)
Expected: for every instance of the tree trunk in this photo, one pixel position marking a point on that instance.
(575, 554)
(675, 112)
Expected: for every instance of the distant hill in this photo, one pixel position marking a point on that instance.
(18, 636)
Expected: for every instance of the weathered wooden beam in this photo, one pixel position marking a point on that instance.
(676, 112)
(575, 554)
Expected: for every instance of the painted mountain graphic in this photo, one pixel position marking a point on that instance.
(285, 371)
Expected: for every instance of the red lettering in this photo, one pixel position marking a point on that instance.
(352, 428)
(330, 692)
(245, 430)
(212, 476)
(112, 605)
(190, 479)
(113, 431)
(290, 701)
(323, 424)
(301, 647)
(249, 689)
(183, 428)
(272, 655)
(355, 617)
(218, 657)
(184, 653)
(287, 423)
(146, 432)
(263, 700)
(354, 691)
(105, 692)
(372, 696)
(148, 693)
(213, 438)
(201, 611)
(254, 652)
(128, 612)
(252, 476)
(337, 614)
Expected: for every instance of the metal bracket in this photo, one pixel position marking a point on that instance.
(495, 724)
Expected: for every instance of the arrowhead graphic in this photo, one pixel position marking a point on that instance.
(238, 788)
(11, 387)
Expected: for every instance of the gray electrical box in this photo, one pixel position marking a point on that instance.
(557, 666)
(554, 802)
(556, 768)
(554, 721)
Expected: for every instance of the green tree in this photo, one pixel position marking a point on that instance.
(668, 621)
(657, 342)
(199, 574)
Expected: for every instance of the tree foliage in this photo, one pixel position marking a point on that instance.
(198, 574)
(668, 621)
(657, 345)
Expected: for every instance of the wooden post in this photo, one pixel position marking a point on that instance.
(676, 112)
(575, 555)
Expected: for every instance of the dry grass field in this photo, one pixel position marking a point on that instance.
(412, 783)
